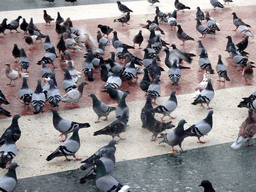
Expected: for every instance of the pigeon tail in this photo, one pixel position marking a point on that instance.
(84, 125)
(50, 157)
(112, 109)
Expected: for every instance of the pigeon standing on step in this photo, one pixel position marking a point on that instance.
(207, 185)
(38, 98)
(247, 131)
(205, 96)
(222, 70)
(8, 150)
(180, 6)
(25, 93)
(14, 24)
(123, 8)
(47, 18)
(216, 3)
(175, 136)
(15, 130)
(68, 148)
(114, 129)
(168, 106)
(24, 60)
(8, 182)
(201, 128)
(66, 126)
(100, 108)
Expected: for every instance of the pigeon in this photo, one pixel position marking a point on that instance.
(8, 150)
(205, 63)
(147, 59)
(201, 48)
(147, 107)
(32, 26)
(11, 74)
(207, 185)
(114, 129)
(106, 30)
(174, 73)
(3, 26)
(60, 29)
(105, 182)
(24, 60)
(48, 45)
(227, 1)
(50, 1)
(122, 108)
(123, 19)
(162, 16)
(154, 89)
(101, 39)
(245, 31)
(115, 67)
(59, 19)
(53, 94)
(74, 95)
(182, 35)
(25, 93)
(14, 24)
(46, 87)
(154, 69)
(16, 52)
(182, 55)
(87, 66)
(145, 82)
(61, 46)
(205, 96)
(222, 70)
(130, 72)
(180, 6)
(68, 148)
(71, 1)
(115, 94)
(100, 108)
(114, 81)
(239, 59)
(24, 25)
(216, 3)
(8, 182)
(175, 136)
(202, 29)
(153, 1)
(5, 112)
(68, 82)
(15, 131)
(117, 43)
(138, 39)
(241, 46)
(248, 101)
(199, 14)
(201, 127)
(248, 72)
(237, 21)
(212, 25)
(171, 19)
(45, 71)
(246, 132)
(168, 106)
(38, 98)
(66, 126)
(123, 8)
(3, 99)
(47, 18)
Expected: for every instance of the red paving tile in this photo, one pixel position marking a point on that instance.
(215, 45)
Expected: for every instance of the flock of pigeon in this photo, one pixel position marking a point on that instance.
(113, 73)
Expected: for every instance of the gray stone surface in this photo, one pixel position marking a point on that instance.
(227, 169)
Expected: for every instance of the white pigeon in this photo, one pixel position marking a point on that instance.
(245, 30)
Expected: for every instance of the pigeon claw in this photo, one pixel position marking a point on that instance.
(172, 117)
(105, 119)
(199, 141)
(77, 159)
(67, 159)
(63, 140)
(96, 121)
(120, 138)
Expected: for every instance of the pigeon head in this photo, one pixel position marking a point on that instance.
(173, 46)
(112, 143)
(164, 136)
(118, 2)
(198, 8)
(13, 166)
(81, 86)
(207, 185)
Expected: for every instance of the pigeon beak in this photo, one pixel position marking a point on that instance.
(199, 185)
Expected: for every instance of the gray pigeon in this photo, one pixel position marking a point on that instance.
(248, 101)
(114, 129)
(202, 29)
(154, 69)
(123, 8)
(182, 35)
(15, 131)
(123, 19)
(153, 1)
(201, 48)
(8, 150)
(147, 59)
(25, 93)
(206, 184)
(168, 106)
(47, 17)
(24, 60)
(180, 6)
(48, 45)
(45, 71)
(145, 82)
(122, 108)
(175, 136)
(105, 182)
(237, 21)
(87, 66)
(138, 39)
(130, 72)
(3, 99)
(114, 81)
(154, 90)
(14, 24)
(5, 112)
(68, 148)
(171, 19)
(205, 63)
(155, 126)
(201, 127)
(174, 73)
(216, 3)
(115, 94)
(181, 54)
(199, 14)
(53, 94)
(68, 82)
(66, 126)
(59, 19)
(38, 98)
(49, 57)
(8, 182)
(205, 96)
(147, 107)
(100, 108)
(212, 25)
(222, 70)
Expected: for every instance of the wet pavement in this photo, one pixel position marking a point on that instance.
(229, 171)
